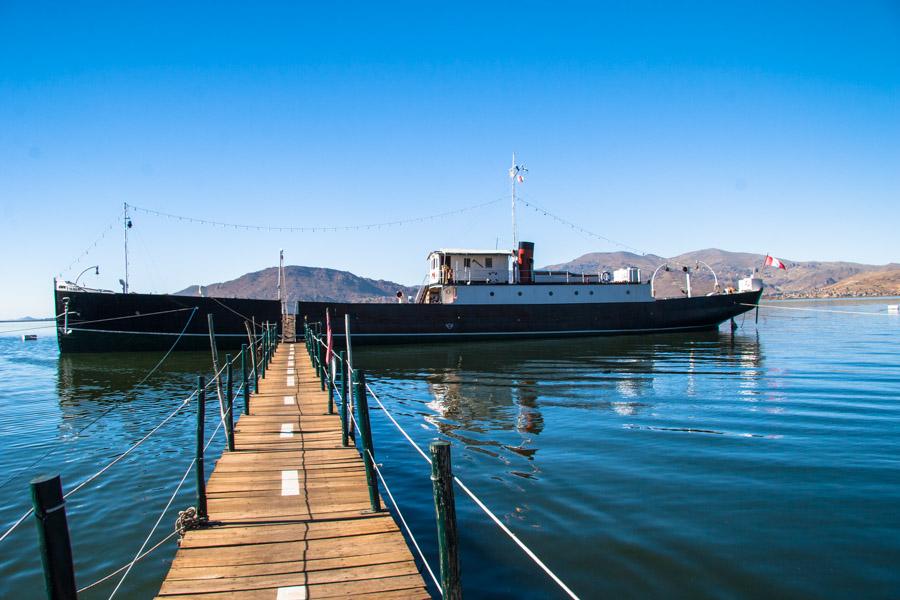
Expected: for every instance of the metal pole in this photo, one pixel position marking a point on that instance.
(53, 536)
(262, 353)
(445, 512)
(201, 471)
(229, 403)
(244, 382)
(254, 364)
(344, 398)
(323, 370)
(368, 452)
(331, 371)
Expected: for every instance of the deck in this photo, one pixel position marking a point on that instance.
(289, 508)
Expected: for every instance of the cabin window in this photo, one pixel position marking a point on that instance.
(467, 263)
(489, 263)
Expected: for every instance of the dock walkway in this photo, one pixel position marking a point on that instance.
(289, 508)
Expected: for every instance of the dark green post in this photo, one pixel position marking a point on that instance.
(262, 353)
(344, 415)
(201, 470)
(53, 536)
(229, 403)
(445, 511)
(365, 430)
(244, 380)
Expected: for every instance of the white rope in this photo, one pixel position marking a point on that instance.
(127, 565)
(403, 521)
(127, 452)
(825, 310)
(480, 504)
(153, 530)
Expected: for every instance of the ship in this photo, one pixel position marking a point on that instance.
(473, 294)
(94, 320)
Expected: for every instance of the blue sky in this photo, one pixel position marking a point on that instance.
(745, 126)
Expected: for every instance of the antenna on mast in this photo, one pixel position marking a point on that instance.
(516, 173)
(127, 222)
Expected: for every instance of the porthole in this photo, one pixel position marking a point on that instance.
(592, 292)
(520, 293)
(492, 293)
(576, 292)
(551, 293)
(627, 292)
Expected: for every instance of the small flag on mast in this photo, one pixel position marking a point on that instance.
(771, 261)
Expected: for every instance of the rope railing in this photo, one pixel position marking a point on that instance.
(347, 371)
(48, 497)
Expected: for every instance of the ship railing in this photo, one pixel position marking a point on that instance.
(47, 491)
(347, 386)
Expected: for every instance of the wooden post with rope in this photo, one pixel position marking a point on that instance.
(201, 470)
(53, 535)
(445, 513)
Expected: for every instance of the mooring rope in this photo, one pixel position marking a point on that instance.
(162, 541)
(823, 310)
(153, 529)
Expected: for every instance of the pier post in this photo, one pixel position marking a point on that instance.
(254, 364)
(365, 430)
(445, 512)
(244, 383)
(344, 399)
(201, 470)
(262, 353)
(229, 403)
(53, 536)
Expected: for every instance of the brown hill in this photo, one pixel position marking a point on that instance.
(883, 282)
(801, 279)
(304, 283)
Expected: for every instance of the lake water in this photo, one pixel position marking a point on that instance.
(759, 464)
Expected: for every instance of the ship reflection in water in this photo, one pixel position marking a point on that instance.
(496, 396)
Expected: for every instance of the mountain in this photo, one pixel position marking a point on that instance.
(305, 283)
(808, 279)
(802, 279)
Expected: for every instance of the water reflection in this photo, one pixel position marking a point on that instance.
(114, 377)
(481, 393)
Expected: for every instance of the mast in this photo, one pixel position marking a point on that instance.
(516, 172)
(127, 224)
(512, 176)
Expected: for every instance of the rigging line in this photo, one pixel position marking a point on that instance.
(153, 530)
(105, 412)
(578, 227)
(162, 312)
(87, 250)
(482, 506)
(315, 228)
(825, 310)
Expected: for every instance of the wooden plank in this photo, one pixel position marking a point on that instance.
(289, 508)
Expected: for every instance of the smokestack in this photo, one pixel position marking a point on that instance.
(525, 260)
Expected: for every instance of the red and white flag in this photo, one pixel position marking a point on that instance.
(771, 261)
(329, 350)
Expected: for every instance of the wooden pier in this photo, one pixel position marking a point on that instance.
(289, 510)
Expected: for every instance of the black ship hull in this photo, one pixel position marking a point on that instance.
(408, 323)
(108, 322)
